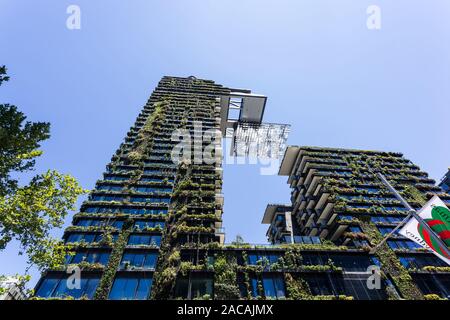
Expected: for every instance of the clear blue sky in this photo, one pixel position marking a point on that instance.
(338, 83)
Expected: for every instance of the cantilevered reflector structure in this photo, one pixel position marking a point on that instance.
(265, 140)
(241, 120)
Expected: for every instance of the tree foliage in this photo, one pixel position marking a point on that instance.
(28, 213)
(3, 76)
(19, 142)
(31, 212)
(18, 145)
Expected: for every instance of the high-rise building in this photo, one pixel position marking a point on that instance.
(337, 197)
(139, 224)
(152, 227)
(445, 182)
(11, 289)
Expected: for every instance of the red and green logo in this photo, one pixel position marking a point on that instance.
(439, 223)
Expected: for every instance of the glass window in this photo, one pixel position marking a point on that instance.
(74, 237)
(319, 284)
(349, 262)
(201, 287)
(254, 284)
(146, 260)
(143, 289)
(273, 286)
(355, 229)
(437, 284)
(150, 260)
(144, 240)
(131, 288)
(58, 286)
(83, 222)
(269, 287)
(47, 287)
(88, 237)
(117, 224)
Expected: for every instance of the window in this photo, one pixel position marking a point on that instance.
(312, 259)
(150, 200)
(106, 187)
(403, 244)
(98, 222)
(148, 179)
(56, 286)
(79, 237)
(115, 178)
(86, 237)
(136, 239)
(273, 286)
(195, 286)
(152, 171)
(368, 189)
(106, 198)
(385, 230)
(144, 211)
(306, 240)
(270, 258)
(91, 209)
(355, 229)
(94, 256)
(360, 243)
(397, 208)
(116, 224)
(345, 217)
(144, 260)
(356, 285)
(144, 224)
(350, 262)
(418, 262)
(395, 219)
(131, 288)
(152, 189)
(437, 284)
(386, 219)
(319, 284)
(351, 285)
(87, 222)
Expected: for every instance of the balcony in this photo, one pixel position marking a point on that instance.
(220, 234)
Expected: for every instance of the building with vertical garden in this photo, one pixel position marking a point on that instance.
(152, 227)
(445, 182)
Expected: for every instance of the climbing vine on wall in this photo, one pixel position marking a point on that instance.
(225, 277)
(114, 261)
(390, 264)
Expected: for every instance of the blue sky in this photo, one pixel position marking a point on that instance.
(338, 83)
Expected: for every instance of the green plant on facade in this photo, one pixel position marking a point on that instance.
(225, 277)
(109, 273)
(390, 264)
(297, 288)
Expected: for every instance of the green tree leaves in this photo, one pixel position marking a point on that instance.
(3, 76)
(28, 213)
(31, 212)
(19, 142)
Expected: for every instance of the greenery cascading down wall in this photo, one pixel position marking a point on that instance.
(185, 194)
